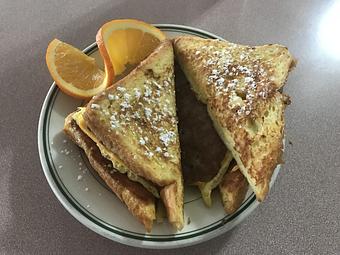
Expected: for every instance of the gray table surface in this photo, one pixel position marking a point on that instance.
(301, 214)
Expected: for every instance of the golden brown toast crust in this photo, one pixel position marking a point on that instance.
(139, 201)
(267, 64)
(233, 189)
(172, 196)
(136, 119)
(259, 151)
(240, 86)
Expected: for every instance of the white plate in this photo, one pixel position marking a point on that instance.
(84, 195)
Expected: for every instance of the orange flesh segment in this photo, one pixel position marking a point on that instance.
(133, 40)
(129, 46)
(71, 64)
(118, 50)
(146, 46)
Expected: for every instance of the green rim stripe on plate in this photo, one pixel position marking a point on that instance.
(100, 222)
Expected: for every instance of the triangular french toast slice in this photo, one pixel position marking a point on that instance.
(136, 119)
(240, 86)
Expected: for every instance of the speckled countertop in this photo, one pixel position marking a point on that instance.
(301, 214)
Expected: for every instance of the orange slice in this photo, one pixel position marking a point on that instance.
(126, 42)
(75, 73)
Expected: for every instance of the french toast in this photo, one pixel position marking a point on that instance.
(233, 189)
(240, 86)
(139, 201)
(136, 119)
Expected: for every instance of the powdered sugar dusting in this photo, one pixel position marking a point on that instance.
(148, 112)
(235, 74)
(95, 106)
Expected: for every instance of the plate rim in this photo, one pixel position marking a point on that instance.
(142, 243)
